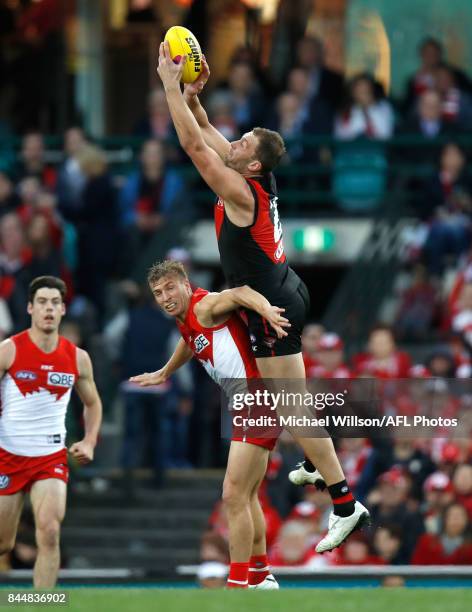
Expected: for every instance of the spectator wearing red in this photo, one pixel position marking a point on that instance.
(382, 359)
(307, 513)
(368, 113)
(357, 551)
(462, 483)
(311, 335)
(438, 494)
(293, 547)
(15, 255)
(453, 544)
(456, 103)
(353, 454)
(46, 255)
(331, 359)
(462, 325)
(431, 56)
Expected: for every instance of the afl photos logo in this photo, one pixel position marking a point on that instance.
(4, 481)
(61, 379)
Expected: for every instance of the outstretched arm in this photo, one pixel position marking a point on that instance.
(225, 182)
(181, 355)
(214, 308)
(212, 137)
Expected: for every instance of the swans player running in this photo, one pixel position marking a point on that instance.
(214, 333)
(38, 369)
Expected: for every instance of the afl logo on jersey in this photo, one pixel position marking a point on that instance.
(25, 375)
(61, 379)
(4, 481)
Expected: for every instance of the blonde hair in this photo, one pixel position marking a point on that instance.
(165, 268)
(92, 160)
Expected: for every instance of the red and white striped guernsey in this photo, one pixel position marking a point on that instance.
(224, 350)
(35, 392)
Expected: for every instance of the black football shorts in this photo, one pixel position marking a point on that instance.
(264, 340)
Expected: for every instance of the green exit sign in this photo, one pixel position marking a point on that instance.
(314, 239)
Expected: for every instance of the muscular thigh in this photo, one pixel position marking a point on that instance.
(247, 464)
(10, 512)
(48, 498)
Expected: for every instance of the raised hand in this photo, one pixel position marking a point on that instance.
(196, 88)
(169, 71)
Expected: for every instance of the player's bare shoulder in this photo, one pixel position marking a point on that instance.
(84, 363)
(7, 355)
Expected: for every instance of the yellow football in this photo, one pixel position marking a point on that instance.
(183, 42)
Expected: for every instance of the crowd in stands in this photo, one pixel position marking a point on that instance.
(419, 489)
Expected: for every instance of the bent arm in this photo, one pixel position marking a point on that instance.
(87, 390)
(215, 308)
(182, 354)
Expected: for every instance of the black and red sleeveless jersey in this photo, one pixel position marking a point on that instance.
(254, 255)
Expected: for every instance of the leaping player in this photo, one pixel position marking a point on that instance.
(39, 368)
(249, 233)
(214, 333)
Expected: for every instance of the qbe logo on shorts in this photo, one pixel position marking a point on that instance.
(4, 481)
(61, 379)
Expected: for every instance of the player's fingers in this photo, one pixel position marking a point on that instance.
(165, 50)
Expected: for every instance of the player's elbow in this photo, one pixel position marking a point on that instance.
(192, 146)
(241, 291)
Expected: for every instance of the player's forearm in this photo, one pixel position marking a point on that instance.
(250, 299)
(186, 126)
(198, 111)
(181, 355)
(92, 421)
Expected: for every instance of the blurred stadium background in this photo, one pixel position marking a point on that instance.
(374, 99)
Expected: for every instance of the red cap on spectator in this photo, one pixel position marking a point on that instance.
(450, 453)
(304, 510)
(438, 482)
(330, 342)
(394, 476)
(419, 371)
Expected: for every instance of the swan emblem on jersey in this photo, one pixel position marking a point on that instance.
(200, 343)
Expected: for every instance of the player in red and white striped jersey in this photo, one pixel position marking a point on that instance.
(38, 369)
(214, 333)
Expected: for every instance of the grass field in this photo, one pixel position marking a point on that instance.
(290, 600)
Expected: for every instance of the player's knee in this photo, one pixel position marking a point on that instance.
(6, 545)
(48, 534)
(234, 494)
